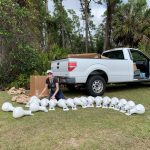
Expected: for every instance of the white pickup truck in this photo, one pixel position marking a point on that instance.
(119, 65)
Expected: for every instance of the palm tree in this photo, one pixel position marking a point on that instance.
(131, 24)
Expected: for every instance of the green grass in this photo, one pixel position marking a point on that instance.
(84, 129)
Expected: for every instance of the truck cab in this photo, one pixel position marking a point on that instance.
(141, 63)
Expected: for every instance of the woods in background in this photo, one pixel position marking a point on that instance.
(31, 37)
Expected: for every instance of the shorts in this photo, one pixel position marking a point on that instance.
(58, 96)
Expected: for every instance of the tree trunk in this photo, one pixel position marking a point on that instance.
(62, 29)
(45, 34)
(1, 50)
(91, 42)
(63, 36)
(86, 26)
(85, 6)
(107, 27)
(110, 9)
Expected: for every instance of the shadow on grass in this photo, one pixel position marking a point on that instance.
(126, 87)
(74, 93)
(110, 88)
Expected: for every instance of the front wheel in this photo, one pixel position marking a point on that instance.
(96, 85)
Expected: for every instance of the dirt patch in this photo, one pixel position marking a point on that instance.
(73, 142)
(143, 144)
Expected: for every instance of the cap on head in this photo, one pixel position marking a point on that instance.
(49, 71)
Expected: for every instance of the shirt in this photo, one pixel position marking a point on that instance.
(51, 83)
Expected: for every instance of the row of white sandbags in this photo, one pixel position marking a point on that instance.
(122, 105)
(35, 104)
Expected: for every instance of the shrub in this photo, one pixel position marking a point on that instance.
(21, 81)
(21, 63)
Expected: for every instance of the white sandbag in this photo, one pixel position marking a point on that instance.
(62, 103)
(70, 103)
(84, 101)
(20, 112)
(78, 102)
(52, 104)
(7, 107)
(34, 107)
(44, 102)
(138, 109)
(106, 102)
(122, 103)
(90, 100)
(128, 106)
(98, 100)
(114, 102)
(33, 99)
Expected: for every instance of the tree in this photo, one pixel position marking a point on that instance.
(20, 37)
(110, 7)
(85, 8)
(131, 24)
(76, 37)
(64, 29)
(99, 37)
(63, 23)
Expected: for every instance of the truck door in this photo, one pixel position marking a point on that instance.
(119, 67)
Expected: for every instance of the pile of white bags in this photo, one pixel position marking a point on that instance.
(35, 104)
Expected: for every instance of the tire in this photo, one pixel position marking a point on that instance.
(96, 85)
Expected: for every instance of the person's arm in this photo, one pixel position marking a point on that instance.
(56, 91)
(43, 90)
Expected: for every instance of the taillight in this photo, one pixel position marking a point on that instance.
(71, 66)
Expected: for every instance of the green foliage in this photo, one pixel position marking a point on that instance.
(21, 81)
(57, 52)
(21, 39)
(99, 40)
(131, 24)
(64, 29)
(44, 58)
(63, 25)
(4, 77)
(144, 47)
(24, 59)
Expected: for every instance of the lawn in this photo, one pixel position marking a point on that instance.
(84, 129)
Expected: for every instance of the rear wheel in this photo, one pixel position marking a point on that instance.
(96, 85)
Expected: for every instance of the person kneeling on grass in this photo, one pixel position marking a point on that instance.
(53, 85)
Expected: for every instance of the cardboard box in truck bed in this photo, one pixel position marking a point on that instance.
(86, 55)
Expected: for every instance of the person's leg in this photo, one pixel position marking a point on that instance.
(60, 95)
(50, 94)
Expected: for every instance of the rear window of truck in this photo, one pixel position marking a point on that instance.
(114, 54)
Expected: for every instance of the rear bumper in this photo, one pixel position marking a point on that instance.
(66, 80)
